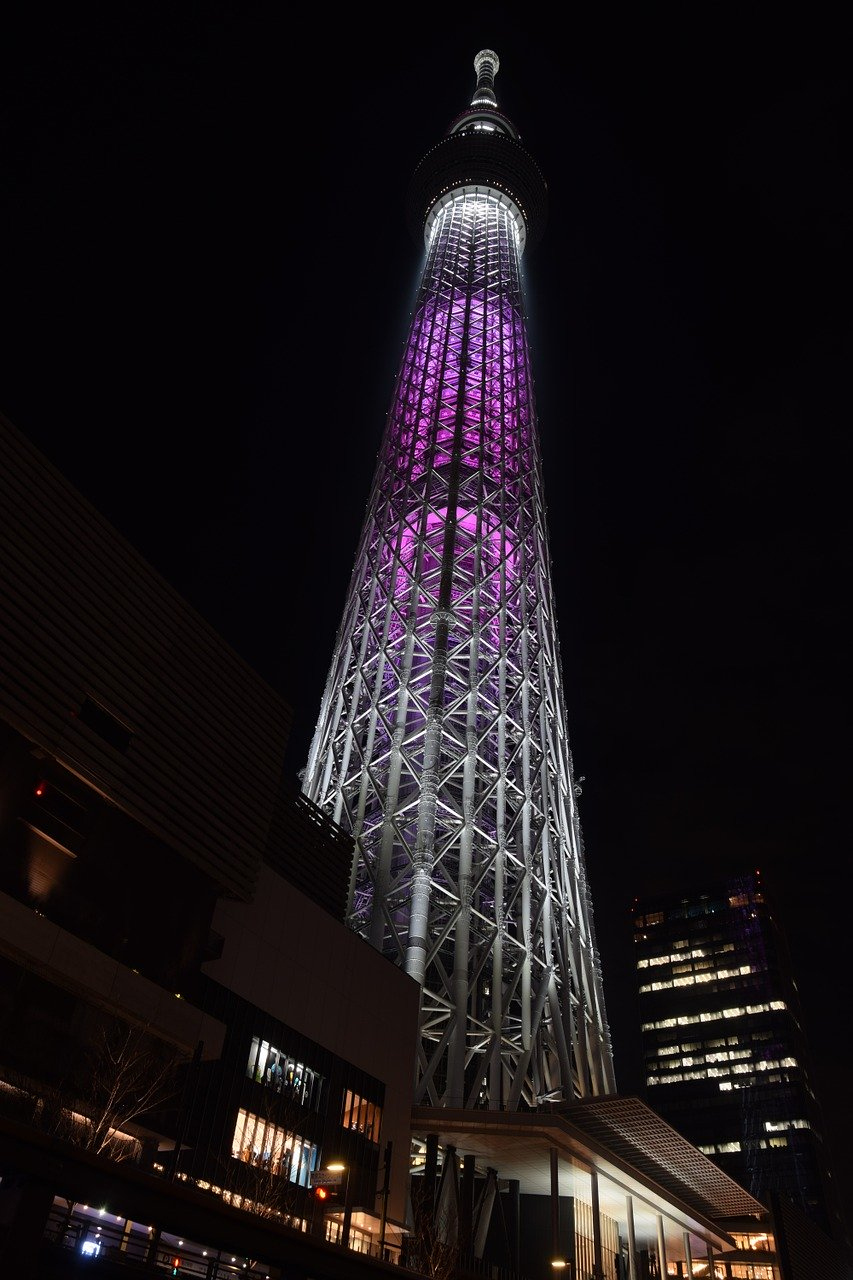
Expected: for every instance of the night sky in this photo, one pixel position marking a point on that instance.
(205, 282)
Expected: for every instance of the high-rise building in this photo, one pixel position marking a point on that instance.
(441, 743)
(724, 1050)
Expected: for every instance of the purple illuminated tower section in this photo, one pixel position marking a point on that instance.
(441, 743)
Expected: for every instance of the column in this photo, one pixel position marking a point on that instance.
(632, 1239)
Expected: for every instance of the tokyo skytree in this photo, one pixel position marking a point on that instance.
(441, 744)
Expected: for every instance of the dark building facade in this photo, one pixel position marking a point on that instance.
(724, 1050)
(188, 1032)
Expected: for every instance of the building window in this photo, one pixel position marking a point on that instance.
(260, 1142)
(363, 1116)
(277, 1070)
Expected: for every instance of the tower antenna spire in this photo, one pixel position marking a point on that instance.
(487, 65)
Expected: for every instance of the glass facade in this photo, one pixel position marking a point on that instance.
(362, 1116)
(261, 1142)
(285, 1075)
(723, 1045)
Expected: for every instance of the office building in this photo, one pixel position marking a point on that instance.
(724, 1051)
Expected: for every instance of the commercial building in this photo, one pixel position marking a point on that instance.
(725, 1055)
(179, 994)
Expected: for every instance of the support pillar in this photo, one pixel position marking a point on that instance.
(514, 1214)
(661, 1249)
(555, 1205)
(345, 1230)
(688, 1256)
(484, 1214)
(597, 1258)
(632, 1238)
(466, 1205)
(430, 1169)
(446, 1212)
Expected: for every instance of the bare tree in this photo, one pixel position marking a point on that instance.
(130, 1075)
(259, 1190)
(432, 1248)
(125, 1075)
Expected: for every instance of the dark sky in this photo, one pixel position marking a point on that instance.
(205, 279)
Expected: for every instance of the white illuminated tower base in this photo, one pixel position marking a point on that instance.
(441, 744)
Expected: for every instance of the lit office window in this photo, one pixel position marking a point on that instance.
(277, 1070)
(361, 1115)
(258, 1142)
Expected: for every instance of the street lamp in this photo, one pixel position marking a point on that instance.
(340, 1167)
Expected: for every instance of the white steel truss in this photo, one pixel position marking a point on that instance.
(441, 743)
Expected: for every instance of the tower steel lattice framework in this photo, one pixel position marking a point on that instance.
(441, 743)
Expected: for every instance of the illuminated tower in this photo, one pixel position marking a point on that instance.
(441, 743)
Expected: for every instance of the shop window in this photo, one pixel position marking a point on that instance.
(363, 1116)
(285, 1075)
(259, 1142)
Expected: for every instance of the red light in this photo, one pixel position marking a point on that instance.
(40, 789)
(321, 1193)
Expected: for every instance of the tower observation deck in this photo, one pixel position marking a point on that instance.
(441, 743)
